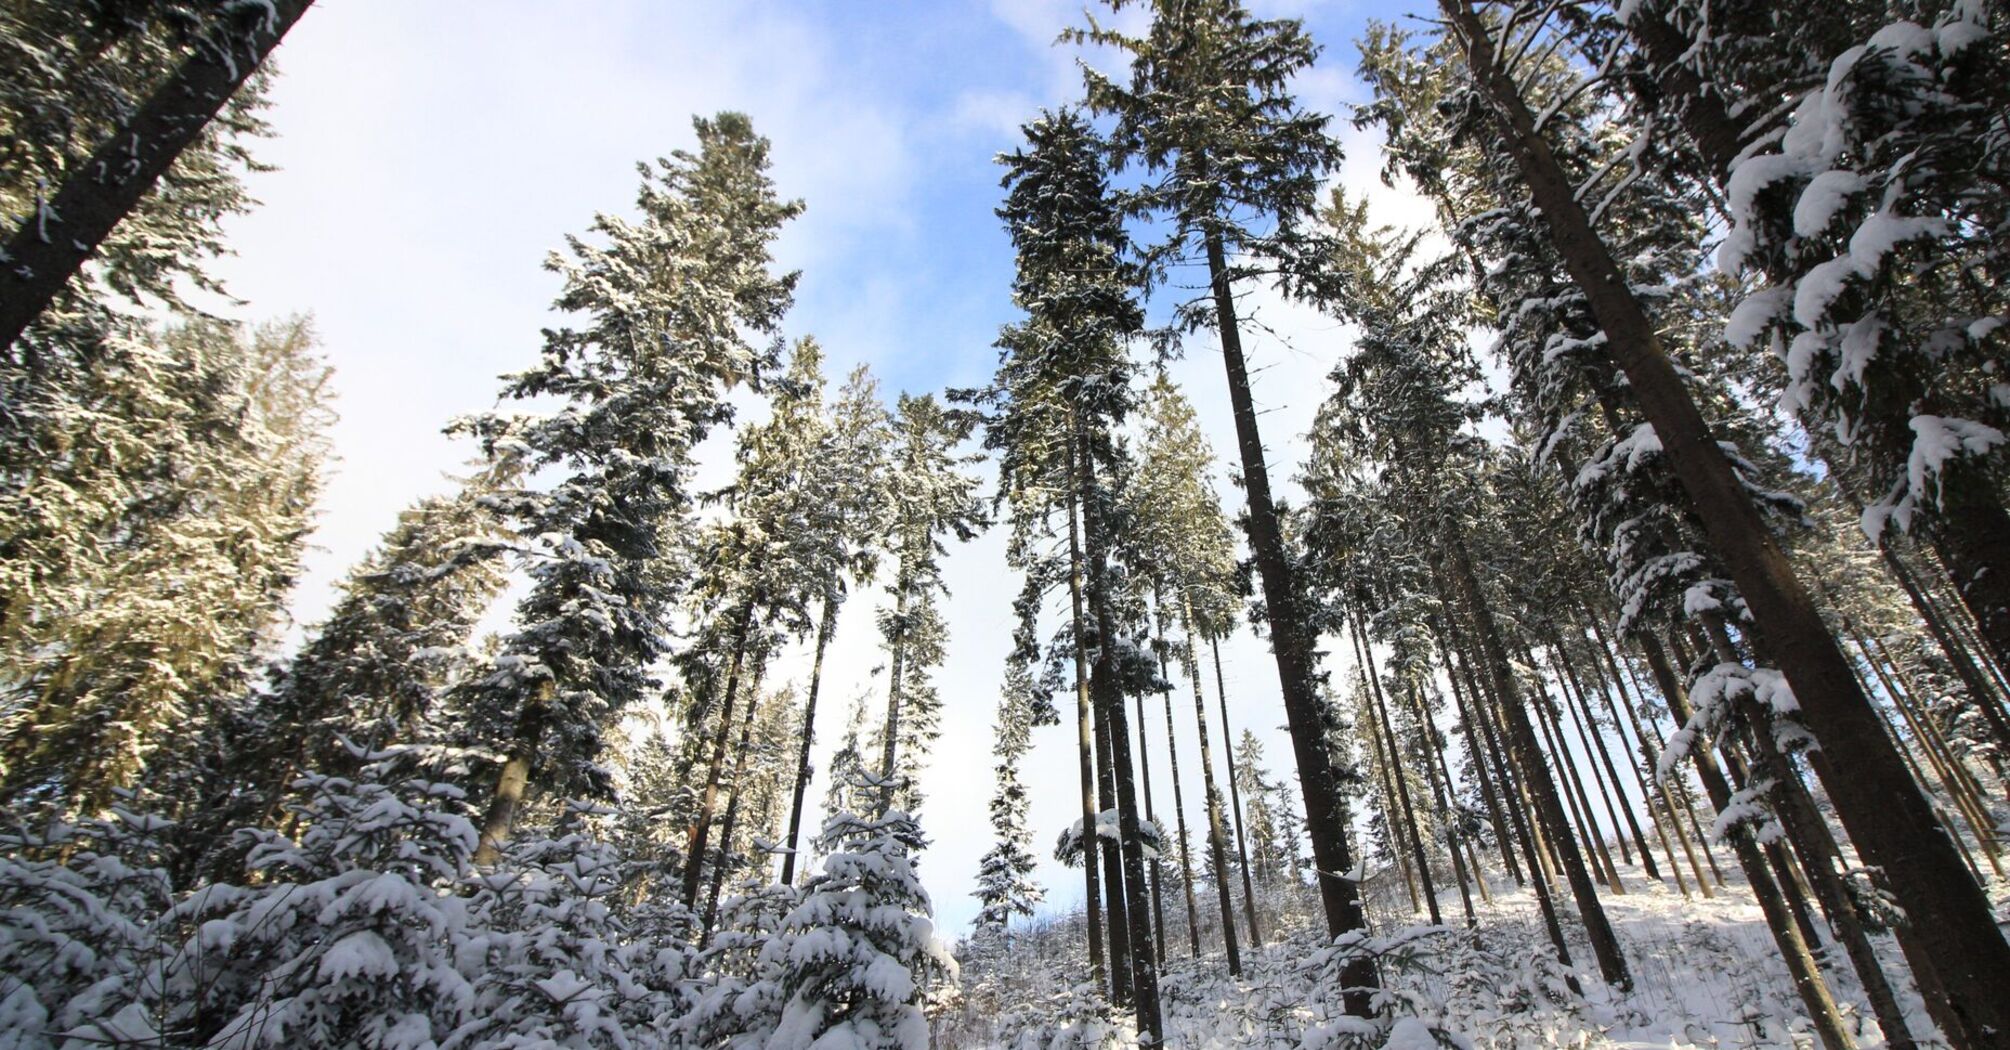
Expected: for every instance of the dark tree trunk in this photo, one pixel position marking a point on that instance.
(1235, 798)
(896, 672)
(825, 625)
(1604, 942)
(1393, 761)
(1454, 667)
(54, 243)
(1154, 871)
(701, 829)
(1326, 819)
(1587, 727)
(1179, 814)
(1649, 759)
(1890, 821)
(729, 823)
(1794, 949)
(1087, 747)
(1443, 799)
(1217, 835)
(1572, 788)
(1103, 688)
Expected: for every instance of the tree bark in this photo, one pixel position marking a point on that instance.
(1794, 951)
(729, 823)
(1235, 799)
(54, 243)
(1604, 942)
(825, 625)
(1326, 818)
(514, 778)
(1406, 811)
(701, 829)
(1891, 822)
(1217, 835)
(1086, 746)
(1103, 688)
(1179, 815)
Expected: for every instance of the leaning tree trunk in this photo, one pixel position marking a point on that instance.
(1393, 762)
(514, 778)
(1326, 818)
(1794, 949)
(729, 823)
(54, 242)
(825, 625)
(1891, 822)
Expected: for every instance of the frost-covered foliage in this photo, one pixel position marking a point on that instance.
(1077, 1017)
(858, 956)
(1873, 222)
(79, 904)
(147, 562)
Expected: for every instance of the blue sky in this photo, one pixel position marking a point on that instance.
(431, 154)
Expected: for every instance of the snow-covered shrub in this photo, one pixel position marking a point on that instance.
(738, 999)
(348, 937)
(79, 909)
(553, 961)
(858, 955)
(1076, 1018)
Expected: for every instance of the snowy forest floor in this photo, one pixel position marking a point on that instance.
(1706, 974)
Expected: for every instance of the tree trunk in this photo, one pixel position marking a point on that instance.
(1604, 942)
(1179, 814)
(1217, 835)
(1155, 871)
(1326, 818)
(1649, 758)
(1235, 799)
(1889, 819)
(1572, 788)
(896, 671)
(1086, 751)
(1586, 723)
(694, 853)
(1800, 962)
(728, 824)
(1453, 668)
(1443, 798)
(1103, 688)
(53, 243)
(514, 778)
(825, 625)
(1407, 811)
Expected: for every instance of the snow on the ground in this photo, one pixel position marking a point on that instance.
(1706, 975)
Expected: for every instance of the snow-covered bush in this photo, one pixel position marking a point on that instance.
(347, 937)
(737, 1000)
(858, 956)
(1076, 1018)
(553, 960)
(79, 909)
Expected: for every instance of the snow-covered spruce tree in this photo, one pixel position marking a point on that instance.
(670, 300)
(209, 444)
(207, 56)
(858, 959)
(774, 566)
(849, 491)
(80, 905)
(1062, 386)
(1272, 858)
(1886, 814)
(1234, 165)
(373, 673)
(931, 496)
(350, 935)
(1005, 885)
(1880, 243)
